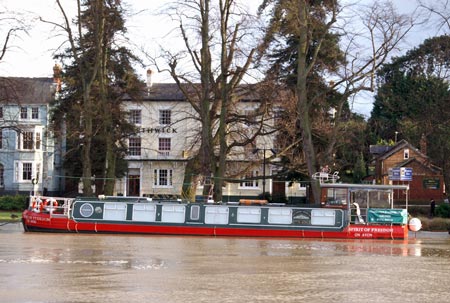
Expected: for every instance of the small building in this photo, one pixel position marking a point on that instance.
(403, 163)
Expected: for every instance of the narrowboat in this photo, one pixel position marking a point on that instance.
(347, 211)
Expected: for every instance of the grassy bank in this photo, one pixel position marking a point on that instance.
(435, 224)
(7, 216)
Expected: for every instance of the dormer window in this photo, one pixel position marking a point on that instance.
(35, 113)
(23, 113)
(406, 153)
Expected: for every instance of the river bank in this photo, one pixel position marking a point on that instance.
(10, 216)
(435, 224)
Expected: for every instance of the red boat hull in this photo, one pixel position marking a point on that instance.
(47, 223)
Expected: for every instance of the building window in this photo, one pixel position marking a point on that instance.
(162, 177)
(23, 113)
(27, 171)
(1, 138)
(406, 154)
(1, 112)
(134, 146)
(250, 116)
(165, 116)
(27, 140)
(136, 116)
(38, 140)
(249, 182)
(2, 176)
(164, 146)
(35, 113)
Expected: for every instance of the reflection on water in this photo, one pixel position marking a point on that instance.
(39, 267)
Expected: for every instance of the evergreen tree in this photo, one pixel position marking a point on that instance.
(412, 100)
(92, 120)
(311, 28)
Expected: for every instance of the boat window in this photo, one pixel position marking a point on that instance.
(323, 217)
(280, 216)
(249, 215)
(115, 211)
(216, 215)
(195, 212)
(144, 212)
(336, 196)
(173, 213)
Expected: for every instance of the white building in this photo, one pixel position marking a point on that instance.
(29, 159)
(169, 134)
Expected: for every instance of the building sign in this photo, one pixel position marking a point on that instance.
(400, 174)
(431, 183)
(159, 130)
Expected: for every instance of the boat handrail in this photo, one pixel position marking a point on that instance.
(39, 203)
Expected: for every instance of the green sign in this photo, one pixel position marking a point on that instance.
(383, 215)
(431, 183)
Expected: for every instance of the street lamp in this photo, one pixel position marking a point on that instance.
(264, 165)
(396, 133)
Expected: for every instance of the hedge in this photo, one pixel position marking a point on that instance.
(13, 203)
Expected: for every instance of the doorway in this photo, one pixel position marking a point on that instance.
(134, 185)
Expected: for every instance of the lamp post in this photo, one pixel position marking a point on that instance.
(264, 165)
(264, 172)
(396, 133)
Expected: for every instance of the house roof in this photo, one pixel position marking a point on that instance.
(426, 162)
(164, 92)
(399, 146)
(19, 90)
(171, 92)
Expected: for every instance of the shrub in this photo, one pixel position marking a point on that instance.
(13, 203)
(443, 210)
(418, 210)
(435, 224)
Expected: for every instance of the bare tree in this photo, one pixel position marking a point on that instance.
(12, 24)
(436, 13)
(214, 39)
(379, 27)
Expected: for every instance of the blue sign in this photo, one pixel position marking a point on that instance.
(400, 174)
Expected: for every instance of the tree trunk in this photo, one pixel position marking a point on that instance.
(303, 104)
(189, 186)
(86, 148)
(206, 148)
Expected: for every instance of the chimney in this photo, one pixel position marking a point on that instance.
(423, 144)
(57, 77)
(149, 79)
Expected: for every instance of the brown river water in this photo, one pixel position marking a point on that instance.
(42, 267)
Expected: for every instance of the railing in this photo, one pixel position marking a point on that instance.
(55, 206)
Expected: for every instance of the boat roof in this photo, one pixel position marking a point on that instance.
(366, 186)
